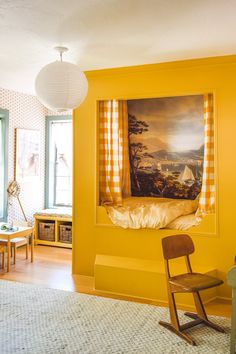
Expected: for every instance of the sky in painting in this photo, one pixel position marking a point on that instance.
(175, 123)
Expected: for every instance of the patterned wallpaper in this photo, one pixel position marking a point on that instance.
(25, 111)
(51, 113)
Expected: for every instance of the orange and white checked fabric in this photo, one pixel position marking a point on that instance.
(207, 195)
(114, 174)
(124, 164)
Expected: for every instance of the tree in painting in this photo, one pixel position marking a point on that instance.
(164, 162)
(136, 150)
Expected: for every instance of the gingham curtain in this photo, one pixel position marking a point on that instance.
(114, 168)
(207, 195)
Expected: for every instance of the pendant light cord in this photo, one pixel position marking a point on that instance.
(61, 50)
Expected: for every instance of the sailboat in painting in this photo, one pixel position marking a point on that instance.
(186, 176)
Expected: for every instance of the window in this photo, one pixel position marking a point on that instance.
(3, 163)
(59, 162)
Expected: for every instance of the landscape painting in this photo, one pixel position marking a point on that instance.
(166, 146)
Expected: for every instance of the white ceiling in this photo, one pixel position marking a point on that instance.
(109, 33)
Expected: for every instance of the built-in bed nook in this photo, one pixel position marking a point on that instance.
(156, 172)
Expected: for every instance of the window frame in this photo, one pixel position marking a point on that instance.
(4, 115)
(49, 120)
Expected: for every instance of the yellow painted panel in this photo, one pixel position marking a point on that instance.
(142, 278)
(146, 265)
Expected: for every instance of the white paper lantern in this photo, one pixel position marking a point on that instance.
(61, 86)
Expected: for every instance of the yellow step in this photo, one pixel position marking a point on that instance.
(143, 278)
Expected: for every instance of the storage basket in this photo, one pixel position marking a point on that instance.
(65, 233)
(47, 231)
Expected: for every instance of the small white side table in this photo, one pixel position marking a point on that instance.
(21, 232)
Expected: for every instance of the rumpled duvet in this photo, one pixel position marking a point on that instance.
(138, 213)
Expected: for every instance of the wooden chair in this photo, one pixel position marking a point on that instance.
(17, 242)
(182, 246)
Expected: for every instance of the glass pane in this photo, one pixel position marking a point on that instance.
(61, 162)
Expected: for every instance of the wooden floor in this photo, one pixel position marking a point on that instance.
(52, 268)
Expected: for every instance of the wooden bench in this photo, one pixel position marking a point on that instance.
(58, 217)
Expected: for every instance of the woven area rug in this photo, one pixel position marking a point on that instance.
(35, 320)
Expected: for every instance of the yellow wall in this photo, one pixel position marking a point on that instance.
(217, 75)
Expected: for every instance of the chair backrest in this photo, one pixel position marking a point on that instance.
(177, 246)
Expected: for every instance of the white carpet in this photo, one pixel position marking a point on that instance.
(35, 320)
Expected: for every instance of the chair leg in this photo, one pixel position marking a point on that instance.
(201, 313)
(174, 326)
(14, 254)
(199, 306)
(27, 249)
(3, 260)
(173, 311)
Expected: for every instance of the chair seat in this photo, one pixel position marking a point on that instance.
(18, 241)
(192, 282)
(3, 241)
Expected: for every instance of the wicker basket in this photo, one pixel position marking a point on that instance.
(65, 234)
(47, 231)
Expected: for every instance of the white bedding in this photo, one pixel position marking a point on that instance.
(184, 222)
(137, 213)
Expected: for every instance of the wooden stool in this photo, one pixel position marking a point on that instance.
(178, 246)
